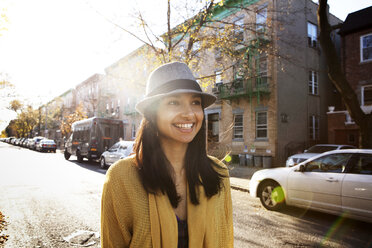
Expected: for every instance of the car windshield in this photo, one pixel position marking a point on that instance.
(48, 141)
(321, 149)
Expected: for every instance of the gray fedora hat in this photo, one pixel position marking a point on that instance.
(169, 79)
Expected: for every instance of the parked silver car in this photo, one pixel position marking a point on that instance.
(46, 145)
(33, 143)
(118, 151)
(336, 182)
(314, 150)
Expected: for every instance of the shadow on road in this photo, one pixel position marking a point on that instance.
(333, 226)
(319, 217)
(89, 165)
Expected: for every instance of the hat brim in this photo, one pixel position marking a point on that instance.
(207, 99)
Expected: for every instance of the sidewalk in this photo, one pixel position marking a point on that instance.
(240, 176)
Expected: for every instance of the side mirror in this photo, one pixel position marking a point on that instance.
(302, 168)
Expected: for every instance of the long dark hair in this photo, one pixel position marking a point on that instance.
(156, 171)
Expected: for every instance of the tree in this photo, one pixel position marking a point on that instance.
(199, 30)
(3, 21)
(15, 105)
(11, 129)
(25, 122)
(338, 78)
(67, 121)
(3, 134)
(7, 89)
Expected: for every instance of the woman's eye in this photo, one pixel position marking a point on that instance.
(173, 102)
(196, 102)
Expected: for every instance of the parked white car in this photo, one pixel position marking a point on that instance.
(336, 182)
(118, 151)
(312, 151)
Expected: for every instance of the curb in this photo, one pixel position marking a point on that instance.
(239, 188)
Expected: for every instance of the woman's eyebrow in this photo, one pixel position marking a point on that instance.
(196, 96)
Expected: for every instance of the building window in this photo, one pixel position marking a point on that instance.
(313, 82)
(219, 77)
(112, 107)
(262, 70)
(133, 131)
(366, 95)
(261, 124)
(312, 34)
(261, 18)
(238, 69)
(196, 47)
(366, 48)
(314, 127)
(118, 107)
(213, 127)
(238, 126)
(182, 48)
(239, 30)
(351, 138)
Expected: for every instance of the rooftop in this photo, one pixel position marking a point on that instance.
(357, 21)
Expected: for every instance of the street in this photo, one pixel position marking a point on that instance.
(46, 199)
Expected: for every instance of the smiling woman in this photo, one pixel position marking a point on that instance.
(180, 119)
(171, 193)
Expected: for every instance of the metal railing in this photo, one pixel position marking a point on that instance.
(240, 87)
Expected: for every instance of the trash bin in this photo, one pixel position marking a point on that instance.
(249, 160)
(242, 159)
(266, 160)
(257, 161)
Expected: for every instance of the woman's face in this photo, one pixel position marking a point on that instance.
(179, 118)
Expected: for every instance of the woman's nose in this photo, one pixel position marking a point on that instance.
(187, 110)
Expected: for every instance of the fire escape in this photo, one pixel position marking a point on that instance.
(250, 75)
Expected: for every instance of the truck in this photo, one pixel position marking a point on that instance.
(91, 137)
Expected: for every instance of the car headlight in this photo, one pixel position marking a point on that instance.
(290, 162)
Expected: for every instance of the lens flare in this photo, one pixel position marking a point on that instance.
(332, 231)
(278, 195)
(228, 158)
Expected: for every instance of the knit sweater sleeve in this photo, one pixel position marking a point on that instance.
(228, 234)
(114, 233)
(228, 213)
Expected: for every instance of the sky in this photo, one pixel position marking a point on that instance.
(51, 46)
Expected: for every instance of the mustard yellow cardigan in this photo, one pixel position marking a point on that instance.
(130, 217)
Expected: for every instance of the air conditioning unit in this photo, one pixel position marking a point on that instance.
(215, 89)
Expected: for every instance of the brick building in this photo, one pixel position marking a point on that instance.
(276, 105)
(356, 59)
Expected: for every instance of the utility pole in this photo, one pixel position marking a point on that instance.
(46, 120)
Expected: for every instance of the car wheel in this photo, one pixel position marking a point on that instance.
(272, 196)
(67, 155)
(102, 163)
(79, 157)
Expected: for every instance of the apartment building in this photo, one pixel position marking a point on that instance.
(88, 94)
(273, 100)
(356, 60)
(123, 86)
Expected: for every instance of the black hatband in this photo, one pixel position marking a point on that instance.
(178, 84)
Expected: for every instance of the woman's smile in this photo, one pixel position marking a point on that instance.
(184, 127)
(180, 118)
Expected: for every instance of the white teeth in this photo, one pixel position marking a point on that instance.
(184, 125)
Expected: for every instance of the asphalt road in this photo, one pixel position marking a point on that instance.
(47, 199)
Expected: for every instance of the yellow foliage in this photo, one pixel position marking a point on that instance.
(67, 121)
